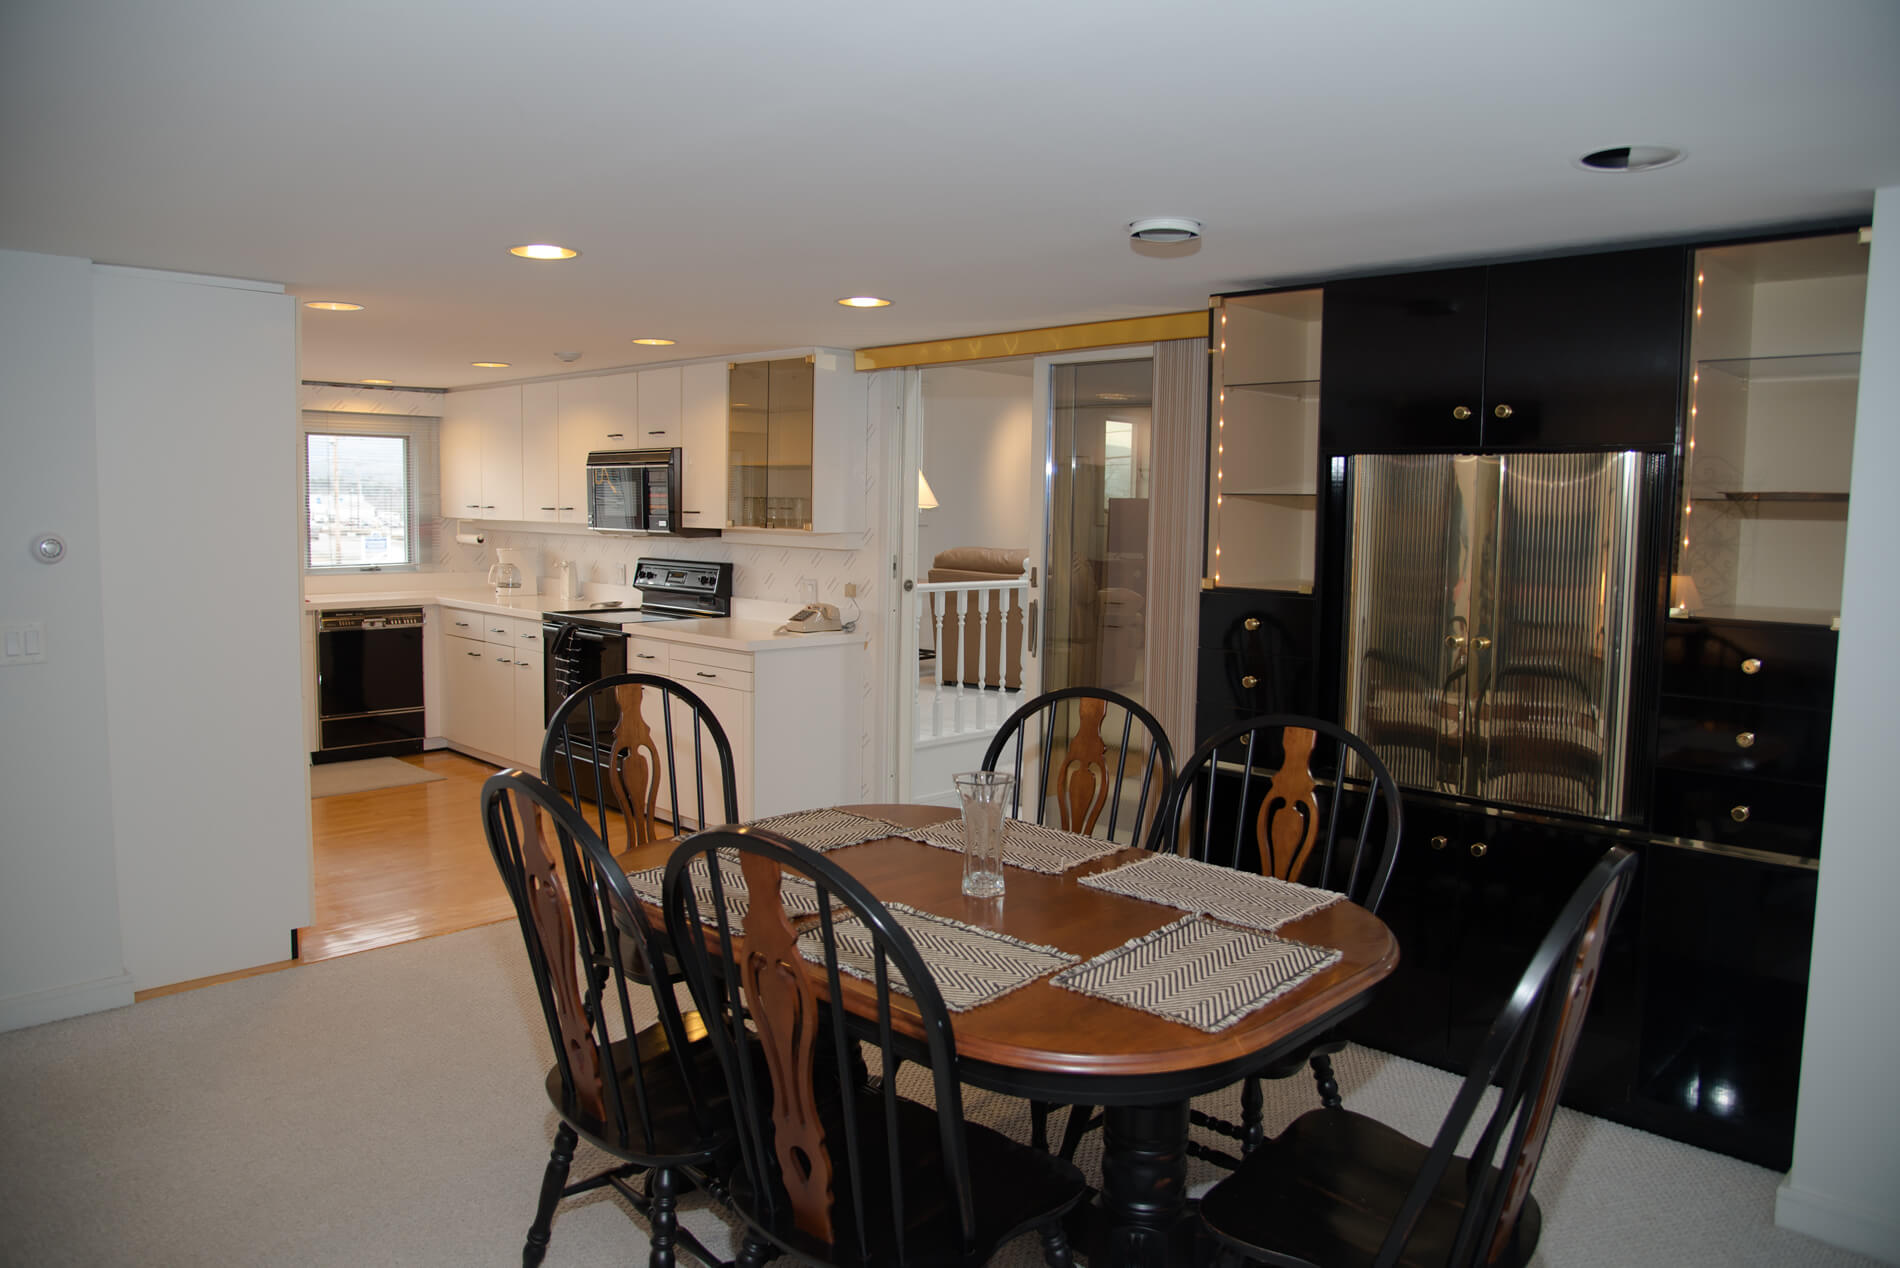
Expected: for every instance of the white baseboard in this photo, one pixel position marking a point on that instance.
(1844, 1224)
(20, 1011)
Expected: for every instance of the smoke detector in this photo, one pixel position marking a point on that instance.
(1164, 229)
(569, 357)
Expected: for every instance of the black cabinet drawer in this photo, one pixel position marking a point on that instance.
(1260, 622)
(1255, 686)
(1758, 814)
(1729, 738)
(1750, 660)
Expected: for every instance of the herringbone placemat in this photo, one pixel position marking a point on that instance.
(971, 966)
(1197, 972)
(799, 895)
(1030, 846)
(1239, 898)
(824, 830)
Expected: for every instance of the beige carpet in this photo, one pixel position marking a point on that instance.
(386, 1108)
(334, 779)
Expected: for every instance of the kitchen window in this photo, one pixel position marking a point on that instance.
(369, 484)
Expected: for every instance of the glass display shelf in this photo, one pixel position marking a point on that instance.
(1766, 495)
(1291, 495)
(1818, 365)
(1288, 389)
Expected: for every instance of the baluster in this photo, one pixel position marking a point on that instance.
(984, 714)
(963, 656)
(940, 615)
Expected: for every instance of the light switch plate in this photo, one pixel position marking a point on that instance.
(23, 642)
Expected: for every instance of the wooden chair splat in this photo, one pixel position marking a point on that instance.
(554, 926)
(1082, 786)
(785, 1011)
(636, 766)
(1289, 817)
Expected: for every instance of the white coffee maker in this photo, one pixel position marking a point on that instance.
(510, 575)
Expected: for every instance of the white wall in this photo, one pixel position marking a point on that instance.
(1846, 1173)
(976, 456)
(59, 908)
(195, 394)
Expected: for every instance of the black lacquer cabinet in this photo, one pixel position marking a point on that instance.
(1255, 656)
(1579, 352)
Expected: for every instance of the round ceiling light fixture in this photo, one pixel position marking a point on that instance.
(543, 251)
(1630, 158)
(1164, 229)
(490, 365)
(864, 301)
(655, 343)
(333, 305)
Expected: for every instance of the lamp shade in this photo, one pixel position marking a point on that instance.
(926, 500)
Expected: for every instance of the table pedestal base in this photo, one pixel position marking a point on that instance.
(1145, 1217)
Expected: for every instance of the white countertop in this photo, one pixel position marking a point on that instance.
(737, 634)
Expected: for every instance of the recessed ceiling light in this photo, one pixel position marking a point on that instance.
(864, 301)
(1630, 158)
(490, 365)
(655, 343)
(333, 305)
(543, 251)
(1164, 229)
(377, 382)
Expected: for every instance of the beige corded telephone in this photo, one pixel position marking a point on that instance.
(813, 618)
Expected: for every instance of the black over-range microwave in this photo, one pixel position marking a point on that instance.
(634, 490)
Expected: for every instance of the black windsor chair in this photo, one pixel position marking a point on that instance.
(1339, 1188)
(835, 1167)
(1287, 824)
(647, 1093)
(1073, 768)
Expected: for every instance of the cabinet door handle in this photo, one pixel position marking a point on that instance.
(1251, 624)
(463, 624)
(550, 508)
(704, 674)
(1502, 411)
(1249, 681)
(1752, 665)
(476, 654)
(566, 508)
(1739, 814)
(615, 435)
(1439, 843)
(1461, 412)
(656, 433)
(645, 656)
(1479, 849)
(1745, 740)
(471, 506)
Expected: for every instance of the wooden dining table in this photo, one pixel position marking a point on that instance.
(1046, 1043)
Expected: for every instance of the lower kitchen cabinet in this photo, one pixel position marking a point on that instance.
(492, 686)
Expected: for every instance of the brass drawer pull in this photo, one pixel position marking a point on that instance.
(1479, 849)
(1752, 665)
(1502, 411)
(1745, 740)
(1439, 843)
(1252, 623)
(1461, 412)
(1249, 681)
(1739, 814)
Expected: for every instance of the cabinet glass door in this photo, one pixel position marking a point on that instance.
(769, 444)
(747, 459)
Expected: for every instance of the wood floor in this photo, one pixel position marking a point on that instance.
(403, 863)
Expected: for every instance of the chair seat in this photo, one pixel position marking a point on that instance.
(1326, 1191)
(677, 1139)
(1015, 1188)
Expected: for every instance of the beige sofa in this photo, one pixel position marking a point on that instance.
(1002, 645)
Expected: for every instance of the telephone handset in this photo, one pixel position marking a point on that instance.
(813, 618)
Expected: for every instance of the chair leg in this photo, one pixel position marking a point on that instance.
(1075, 1129)
(1039, 1125)
(560, 1158)
(1055, 1242)
(1328, 1084)
(1253, 1132)
(662, 1195)
(754, 1252)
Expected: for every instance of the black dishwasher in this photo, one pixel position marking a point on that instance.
(369, 684)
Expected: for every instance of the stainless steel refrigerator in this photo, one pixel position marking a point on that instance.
(1492, 608)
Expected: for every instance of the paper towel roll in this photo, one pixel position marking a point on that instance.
(471, 539)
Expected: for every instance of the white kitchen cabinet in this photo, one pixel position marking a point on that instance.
(659, 413)
(481, 454)
(541, 452)
(471, 702)
(597, 413)
(703, 445)
(795, 444)
(491, 695)
(530, 721)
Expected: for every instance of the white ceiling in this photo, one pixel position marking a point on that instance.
(730, 169)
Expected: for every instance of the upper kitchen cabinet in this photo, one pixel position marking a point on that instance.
(481, 454)
(703, 419)
(1579, 352)
(659, 412)
(1773, 384)
(795, 444)
(1264, 468)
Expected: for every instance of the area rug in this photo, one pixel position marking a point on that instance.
(366, 775)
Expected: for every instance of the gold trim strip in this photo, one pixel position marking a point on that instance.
(1029, 343)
